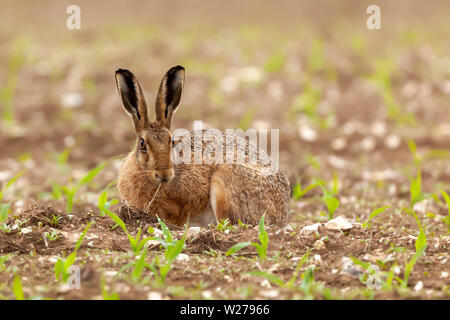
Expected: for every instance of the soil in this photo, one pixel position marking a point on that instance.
(362, 147)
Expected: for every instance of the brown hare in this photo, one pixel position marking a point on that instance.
(194, 193)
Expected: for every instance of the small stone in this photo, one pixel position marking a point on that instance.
(339, 223)
(152, 244)
(207, 294)
(397, 270)
(444, 274)
(182, 257)
(154, 295)
(71, 100)
(26, 230)
(378, 128)
(392, 142)
(334, 271)
(307, 133)
(368, 144)
(266, 284)
(64, 288)
(310, 229)
(110, 273)
(269, 293)
(317, 257)
(339, 144)
(193, 232)
(418, 286)
(319, 245)
(349, 268)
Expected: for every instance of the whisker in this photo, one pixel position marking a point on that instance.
(151, 201)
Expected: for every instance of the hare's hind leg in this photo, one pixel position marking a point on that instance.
(219, 196)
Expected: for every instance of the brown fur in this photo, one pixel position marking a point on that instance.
(191, 192)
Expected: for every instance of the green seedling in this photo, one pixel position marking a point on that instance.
(5, 207)
(416, 194)
(17, 288)
(3, 260)
(172, 248)
(261, 247)
(416, 156)
(62, 265)
(52, 236)
(105, 294)
(71, 190)
(373, 215)
(103, 202)
(275, 62)
(298, 192)
(224, 225)
(420, 246)
(7, 92)
(447, 200)
(136, 243)
(277, 281)
(242, 225)
(331, 202)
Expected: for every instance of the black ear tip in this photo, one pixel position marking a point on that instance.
(123, 72)
(177, 68)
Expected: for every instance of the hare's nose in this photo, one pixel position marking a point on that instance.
(165, 175)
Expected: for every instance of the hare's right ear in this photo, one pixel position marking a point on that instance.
(132, 98)
(169, 95)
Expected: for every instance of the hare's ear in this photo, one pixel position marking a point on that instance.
(169, 95)
(132, 98)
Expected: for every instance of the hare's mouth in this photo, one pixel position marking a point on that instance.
(163, 175)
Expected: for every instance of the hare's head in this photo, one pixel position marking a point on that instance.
(154, 139)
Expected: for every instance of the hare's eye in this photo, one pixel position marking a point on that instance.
(142, 144)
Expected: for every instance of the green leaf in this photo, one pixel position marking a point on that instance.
(80, 239)
(116, 219)
(358, 262)
(237, 247)
(447, 200)
(10, 183)
(416, 189)
(166, 231)
(272, 278)
(139, 267)
(374, 214)
(59, 269)
(91, 174)
(4, 210)
(331, 201)
(17, 288)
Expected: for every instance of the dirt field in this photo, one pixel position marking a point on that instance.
(363, 111)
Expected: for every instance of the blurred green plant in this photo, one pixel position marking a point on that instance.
(5, 207)
(17, 288)
(136, 243)
(7, 92)
(298, 192)
(275, 62)
(381, 77)
(71, 190)
(447, 218)
(62, 265)
(105, 294)
(290, 284)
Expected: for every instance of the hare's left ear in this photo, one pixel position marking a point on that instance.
(169, 95)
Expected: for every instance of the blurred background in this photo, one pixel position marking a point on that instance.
(346, 99)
